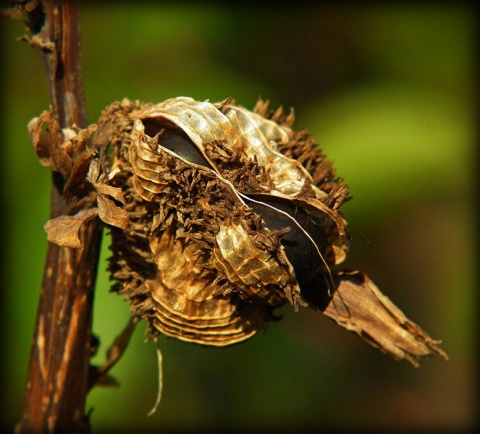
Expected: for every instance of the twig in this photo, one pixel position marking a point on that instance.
(58, 372)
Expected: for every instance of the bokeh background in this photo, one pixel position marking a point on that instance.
(388, 91)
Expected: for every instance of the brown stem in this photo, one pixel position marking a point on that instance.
(58, 382)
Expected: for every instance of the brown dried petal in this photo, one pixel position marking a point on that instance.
(53, 147)
(236, 129)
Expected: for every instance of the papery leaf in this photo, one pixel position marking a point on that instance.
(359, 306)
(63, 230)
(111, 213)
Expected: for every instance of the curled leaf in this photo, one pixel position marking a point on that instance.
(107, 190)
(360, 307)
(110, 213)
(107, 195)
(39, 139)
(63, 230)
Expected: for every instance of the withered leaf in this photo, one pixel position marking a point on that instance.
(94, 172)
(107, 190)
(63, 230)
(360, 307)
(38, 138)
(76, 184)
(53, 149)
(111, 213)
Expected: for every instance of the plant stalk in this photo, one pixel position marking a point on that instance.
(58, 372)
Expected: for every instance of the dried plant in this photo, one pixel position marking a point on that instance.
(218, 216)
(214, 223)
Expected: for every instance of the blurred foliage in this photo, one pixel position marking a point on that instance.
(388, 93)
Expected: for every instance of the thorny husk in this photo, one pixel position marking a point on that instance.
(189, 252)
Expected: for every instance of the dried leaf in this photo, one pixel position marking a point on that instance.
(77, 182)
(94, 172)
(81, 138)
(63, 230)
(360, 307)
(107, 190)
(38, 138)
(111, 213)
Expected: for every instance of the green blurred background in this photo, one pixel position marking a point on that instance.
(388, 93)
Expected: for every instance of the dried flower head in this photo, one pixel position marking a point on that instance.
(218, 216)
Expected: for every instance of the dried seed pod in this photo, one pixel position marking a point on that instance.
(223, 226)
